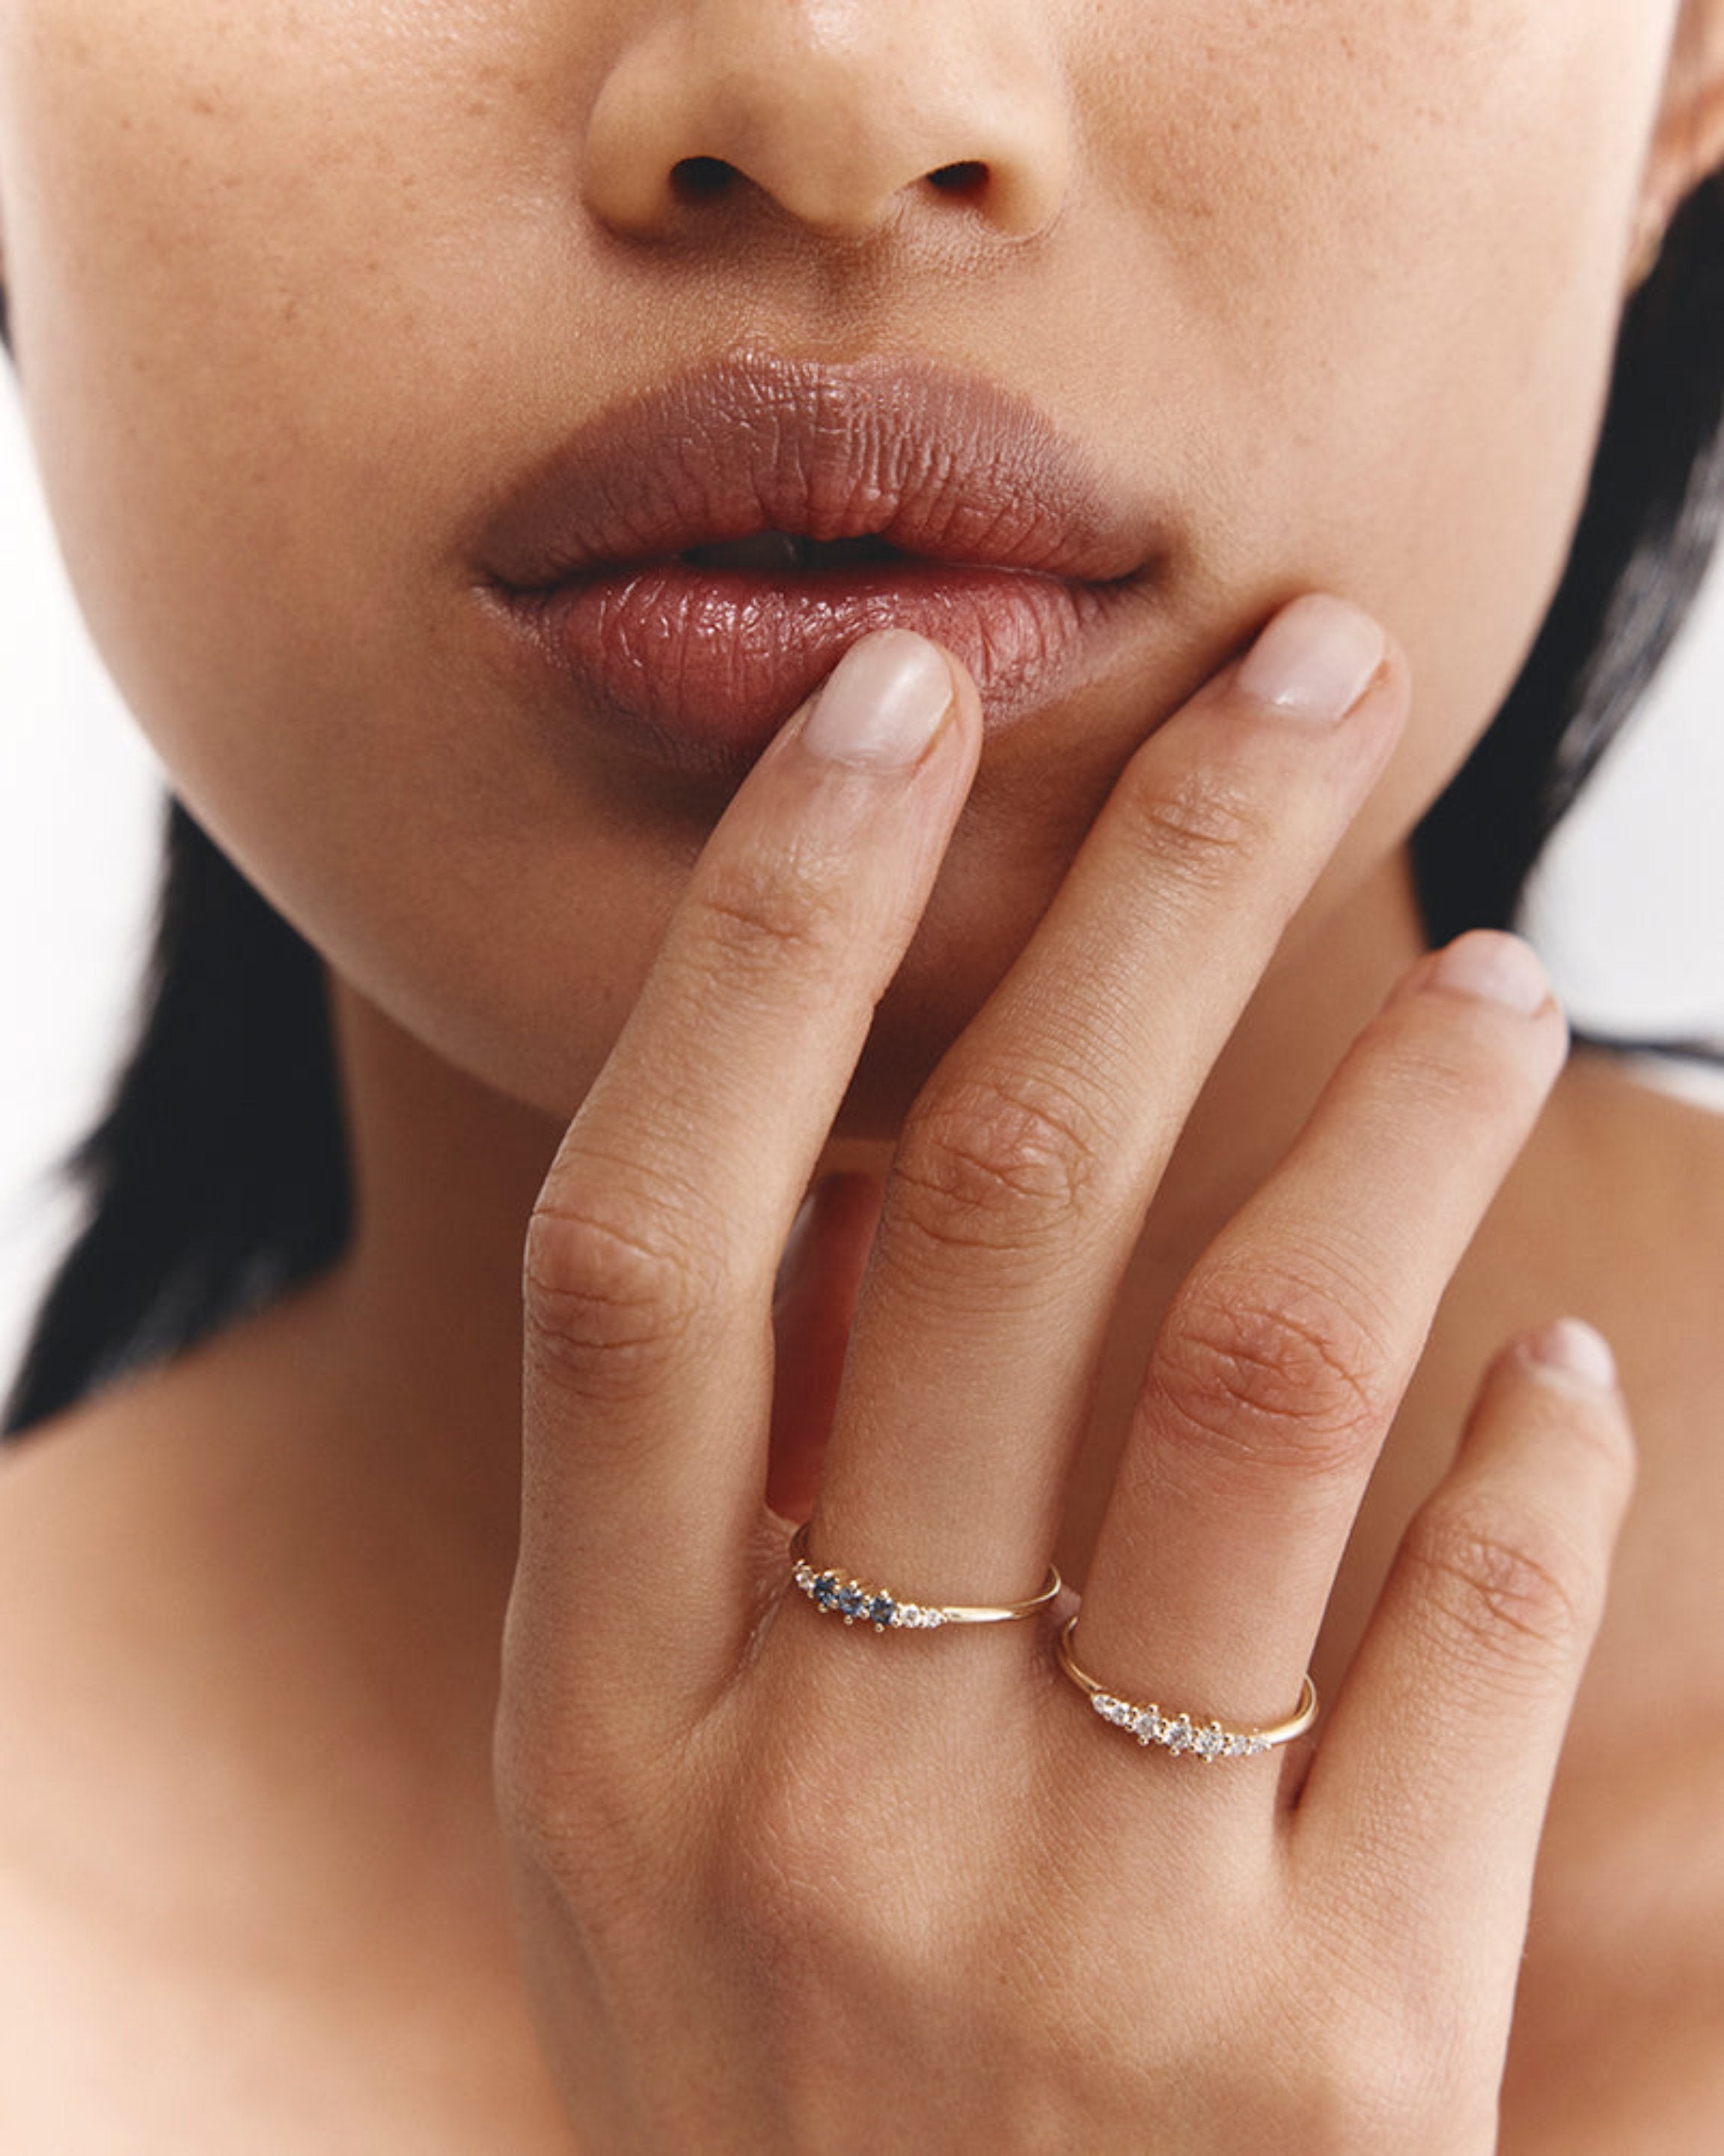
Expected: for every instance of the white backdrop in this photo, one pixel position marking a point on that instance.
(1629, 912)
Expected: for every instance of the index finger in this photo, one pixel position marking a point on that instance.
(652, 1249)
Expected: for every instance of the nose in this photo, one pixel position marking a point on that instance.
(847, 114)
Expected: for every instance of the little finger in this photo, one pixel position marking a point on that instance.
(1422, 1811)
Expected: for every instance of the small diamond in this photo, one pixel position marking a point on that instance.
(882, 1610)
(1110, 1709)
(1211, 1742)
(1146, 1726)
(825, 1591)
(1238, 1745)
(1179, 1735)
(1259, 1745)
(932, 1620)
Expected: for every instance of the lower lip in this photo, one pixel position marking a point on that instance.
(702, 666)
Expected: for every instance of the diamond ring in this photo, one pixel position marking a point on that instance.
(1185, 1733)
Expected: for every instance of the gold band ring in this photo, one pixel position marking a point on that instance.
(856, 1602)
(1185, 1733)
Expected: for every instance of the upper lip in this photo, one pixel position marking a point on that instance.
(934, 462)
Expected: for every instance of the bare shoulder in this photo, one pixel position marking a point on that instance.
(70, 1541)
(71, 1706)
(1671, 1127)
(223, 1922)
(83, 1506)
(89, 1695)
(1640, 1222)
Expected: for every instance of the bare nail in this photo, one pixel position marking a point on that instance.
(1316, 659)
(883, 703)
(1576, 1350)
(1495, 967)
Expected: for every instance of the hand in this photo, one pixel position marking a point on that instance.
(782, 1886)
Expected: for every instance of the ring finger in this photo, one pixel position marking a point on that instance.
(1281, 1365)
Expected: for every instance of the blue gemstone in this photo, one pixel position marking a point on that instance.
(826, 1590)
(851, 1600)
(882, 1609)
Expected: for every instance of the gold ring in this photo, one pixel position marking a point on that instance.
(1186, 1733)
(854, 1600)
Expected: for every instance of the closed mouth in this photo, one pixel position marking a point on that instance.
(694, 561)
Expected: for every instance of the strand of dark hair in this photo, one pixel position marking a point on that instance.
(217, 1177)
(1645, 537)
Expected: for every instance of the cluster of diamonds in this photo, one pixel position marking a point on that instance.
(851, 1600)
(1177, 1732)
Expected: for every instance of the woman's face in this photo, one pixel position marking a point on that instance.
(305, 297)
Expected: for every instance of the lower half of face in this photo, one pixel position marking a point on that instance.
(305, 299)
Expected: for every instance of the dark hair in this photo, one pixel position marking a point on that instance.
(1645, 536)
(217, 1177)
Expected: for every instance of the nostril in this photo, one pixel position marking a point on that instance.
(966, 178)
(701, 179)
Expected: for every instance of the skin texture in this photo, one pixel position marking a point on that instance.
(1301, 352)
(1339, 285)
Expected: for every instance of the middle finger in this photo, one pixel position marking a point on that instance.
(1024, 1170)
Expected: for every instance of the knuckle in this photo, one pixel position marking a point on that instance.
(1386, 2047)
(989, 1164)
(610, 1291)
(773, 909)
(1377, 2086)
(580, 1813)
(828, 1902)
(1448, 1071)
(1507, 1592)
(1272, 1369)
(1199, 823)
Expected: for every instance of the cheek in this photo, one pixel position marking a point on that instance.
(247, 314)
(283, 326)
(1386, 250)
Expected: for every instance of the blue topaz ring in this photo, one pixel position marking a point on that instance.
(858, 1602)
(1179, 1733)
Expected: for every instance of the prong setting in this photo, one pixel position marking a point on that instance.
(859, 1604)
(1178, 1733)
(1185, 1735)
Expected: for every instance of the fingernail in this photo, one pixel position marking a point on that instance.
(883, 704)
(1495, 967)
(1576, 1350)
(1316, 659)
